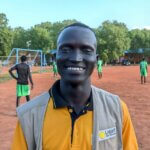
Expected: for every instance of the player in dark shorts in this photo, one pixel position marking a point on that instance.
(23, 74)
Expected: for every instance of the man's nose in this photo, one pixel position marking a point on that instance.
(76, 56)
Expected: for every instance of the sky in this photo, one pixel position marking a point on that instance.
(27, 13)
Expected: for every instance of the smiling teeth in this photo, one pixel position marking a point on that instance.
(75, 68)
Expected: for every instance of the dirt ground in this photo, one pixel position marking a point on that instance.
(123, 81)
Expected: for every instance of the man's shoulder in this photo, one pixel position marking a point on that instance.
(103, 92)
(23, 65)
(13, 67)
(33, 104)
(105, 97)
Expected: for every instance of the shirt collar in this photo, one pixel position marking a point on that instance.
(60, 102)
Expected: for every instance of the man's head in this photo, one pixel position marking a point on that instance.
(23, 58)
(143, 58)
(76, 55)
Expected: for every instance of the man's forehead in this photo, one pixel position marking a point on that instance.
(74, 31)
(77, 34)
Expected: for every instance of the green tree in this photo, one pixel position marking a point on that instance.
(147, 38)
(40, 38)
(20, 37)
(5, 36)
(139, 38)
(45, 25)
(112, 39)
(3, 20)
(104, 56)
(53, 30)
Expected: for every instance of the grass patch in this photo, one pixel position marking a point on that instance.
(42, 71)
(4, 78)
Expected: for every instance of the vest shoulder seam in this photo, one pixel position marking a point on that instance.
(36, 102)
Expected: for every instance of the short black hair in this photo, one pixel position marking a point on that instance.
(77, 24)
(23, 58)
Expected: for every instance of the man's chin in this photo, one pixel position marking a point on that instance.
(74, 80)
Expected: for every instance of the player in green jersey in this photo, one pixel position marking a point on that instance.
(55, 71)
(99, 67)
(143, 70)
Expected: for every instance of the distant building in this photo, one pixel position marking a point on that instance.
(135, 56)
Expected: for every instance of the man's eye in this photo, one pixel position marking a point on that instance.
(87, 50)
(66, 50)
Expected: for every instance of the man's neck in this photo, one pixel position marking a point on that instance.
(76, 94)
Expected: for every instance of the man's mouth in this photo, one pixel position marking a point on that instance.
(75, 68)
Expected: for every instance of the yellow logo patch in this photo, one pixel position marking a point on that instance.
(107, 134)
(102, 135)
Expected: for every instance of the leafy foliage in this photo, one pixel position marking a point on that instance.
(5, 35)
(140, 38)
(19, 38)
(113, 38)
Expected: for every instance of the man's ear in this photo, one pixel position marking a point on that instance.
(97, 55)
(95, 61)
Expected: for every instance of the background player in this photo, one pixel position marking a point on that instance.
(99, 67)
(143, 70)
(55, 71)
(23, 74)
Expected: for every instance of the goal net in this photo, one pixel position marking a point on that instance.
(34, 58)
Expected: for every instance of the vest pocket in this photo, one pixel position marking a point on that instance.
(108, 144)
(108, 139)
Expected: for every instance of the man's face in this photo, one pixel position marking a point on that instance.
(76, 56)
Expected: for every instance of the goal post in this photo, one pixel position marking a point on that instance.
(29, 53)
(34, 58)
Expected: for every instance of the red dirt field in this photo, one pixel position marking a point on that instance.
(121, 80)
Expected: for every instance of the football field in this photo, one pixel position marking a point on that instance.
(121, 80)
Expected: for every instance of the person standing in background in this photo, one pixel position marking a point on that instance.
(55, 71)
(99, 67)
(23, 74)
(143, 70)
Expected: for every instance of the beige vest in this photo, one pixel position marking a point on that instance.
(107, 120)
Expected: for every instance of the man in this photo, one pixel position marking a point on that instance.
(99, 67)
(74, 114)
(23, 74)
(143, 70)
(55, 71)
